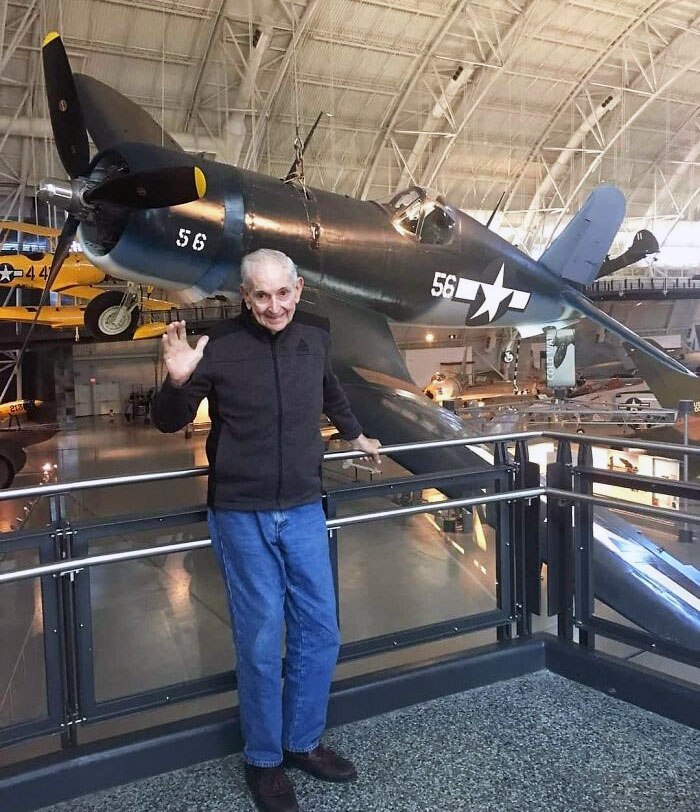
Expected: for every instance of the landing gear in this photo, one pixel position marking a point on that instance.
(113, 315)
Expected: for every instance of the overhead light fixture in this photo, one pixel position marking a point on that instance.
(429, 337)
(453, 336)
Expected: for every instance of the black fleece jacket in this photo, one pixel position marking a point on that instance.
(266, 393)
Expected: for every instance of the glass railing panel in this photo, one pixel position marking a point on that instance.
(410, 571)
(159, 620)
(22, 661)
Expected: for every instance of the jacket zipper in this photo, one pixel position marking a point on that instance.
(279, 419)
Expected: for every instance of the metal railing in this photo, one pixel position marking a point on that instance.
(511, 489)
(644, 288)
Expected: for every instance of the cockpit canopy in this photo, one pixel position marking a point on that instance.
(426, 217)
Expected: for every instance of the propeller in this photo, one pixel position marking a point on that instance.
(151, 188)
(67, 120)
(147, 189)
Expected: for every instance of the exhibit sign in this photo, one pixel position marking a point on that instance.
(561, 360)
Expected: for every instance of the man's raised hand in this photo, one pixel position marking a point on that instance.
(180, 359)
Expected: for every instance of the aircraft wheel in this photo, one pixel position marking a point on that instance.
(7, 472)
(109, 320)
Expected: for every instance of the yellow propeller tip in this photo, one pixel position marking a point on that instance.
(200, 181)
(50, 37)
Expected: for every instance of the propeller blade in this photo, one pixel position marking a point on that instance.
(151, 189)
(65, 241)
(67, 119)
(62, 249)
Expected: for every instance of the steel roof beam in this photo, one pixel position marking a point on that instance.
(620, 131)
(23, 27)
(203, 62)
(259, 132)
(604, 54)
(437, 33)
(512, 40)
(646, 74)
(234, 130)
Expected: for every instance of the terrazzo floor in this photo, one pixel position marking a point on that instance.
(539, 742)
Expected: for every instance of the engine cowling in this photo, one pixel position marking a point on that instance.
(193, 248)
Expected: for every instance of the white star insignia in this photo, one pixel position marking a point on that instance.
(494, 295)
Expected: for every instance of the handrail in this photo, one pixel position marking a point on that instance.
(75, 564)
(131, 479)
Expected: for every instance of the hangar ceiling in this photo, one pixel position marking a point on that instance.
(538, 100)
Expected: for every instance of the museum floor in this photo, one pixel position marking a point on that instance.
(535, 742)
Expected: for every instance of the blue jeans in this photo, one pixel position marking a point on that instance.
(277, 570)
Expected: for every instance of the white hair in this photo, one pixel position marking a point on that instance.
(264, 256)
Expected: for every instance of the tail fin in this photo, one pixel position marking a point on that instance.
(578, 252)
(668, 385)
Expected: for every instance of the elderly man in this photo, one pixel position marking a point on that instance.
(268, 377)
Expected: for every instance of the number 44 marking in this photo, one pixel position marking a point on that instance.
(183, 239)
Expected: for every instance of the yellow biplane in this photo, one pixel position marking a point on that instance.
(110, 315)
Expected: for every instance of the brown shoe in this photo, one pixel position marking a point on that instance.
(322, 763)
(272, 791)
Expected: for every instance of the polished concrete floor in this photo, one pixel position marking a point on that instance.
(164, 620)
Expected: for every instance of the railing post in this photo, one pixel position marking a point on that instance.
(583, 552)
(505, 586)
(559, 541)
(526, 540)
(330, 508)
(63, 537)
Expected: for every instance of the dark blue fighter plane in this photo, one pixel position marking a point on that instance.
(150, 213)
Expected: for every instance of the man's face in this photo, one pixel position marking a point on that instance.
(271, 296)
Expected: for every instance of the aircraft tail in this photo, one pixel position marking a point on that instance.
(578, 252)
(668, 385)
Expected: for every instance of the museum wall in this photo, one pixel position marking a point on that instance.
(106, 374)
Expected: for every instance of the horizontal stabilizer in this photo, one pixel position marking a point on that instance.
(668, 385)
(586, 308)
(578, 252)
(643, 244)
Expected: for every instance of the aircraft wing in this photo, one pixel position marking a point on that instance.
(586, 308)
(384, 397)
(67, 316)
(629, 578)
(79, 291)
(155, 304)
(669, 386)
(29, 228)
